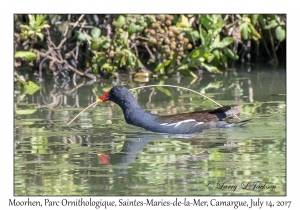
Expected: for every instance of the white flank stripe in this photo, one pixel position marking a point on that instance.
(199, 123)
(171, 124)
(178, 123)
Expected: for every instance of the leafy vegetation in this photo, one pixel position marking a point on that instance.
(166, 44)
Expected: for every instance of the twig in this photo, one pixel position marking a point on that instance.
(71, 91)
(152, 56)
(81, 25)
(273, 47)
(60, 62)
(69, 139)
(276, 48)
(150, 96)
(41, 66)
(46, 55)
(79, 19)
(108, 27)
(183, 89)
(61, 43)
(86, 36)
(66, 31)
(96, 102)
(135, 48)
(77, 50)
(178, 87)
(161, 35)
(143, 38)
(264, 42)
(73, 69)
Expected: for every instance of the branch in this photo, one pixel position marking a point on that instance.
(152, 56)
(78, 21)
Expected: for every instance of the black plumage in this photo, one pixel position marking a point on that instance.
(176, 124)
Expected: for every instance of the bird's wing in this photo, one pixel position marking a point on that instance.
(195, 121)
(197, 116)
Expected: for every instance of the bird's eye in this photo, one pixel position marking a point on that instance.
(112, 92)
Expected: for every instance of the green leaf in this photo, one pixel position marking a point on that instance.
(105, 44)
(224, 43)
(218, 27)
(40, 35)
(273, 24)
(282, 24)
(107, 66)
(120, 21)
(95, 44)
(183, 23)
(95, 68)
(133, 28)
(162, 65)
(164, 90)
(140, 64)
(96, 32)
(123, 61)
(31, 88)
(40, 19)
(261, 21)
(193, 35)
(46, 26)
(187, 30)
(192, 74)
(31, 32)
(244, 30)
(230, 54)
(31, 20)
(205, 22)
(271, 16)
(202, 34)
(201, 60)
(209, 57)
(183, 67)
(30, 56)
(217, 57)
(209, 39)
(198, 52)
(81, 36)
(24, 27)
(216, 53)
(254, 19)
(224, 58)
(280, 33)
(25, 111)
(216, 40)
(185, 71)
(210, 68)
(253, 31)
(130, 60)
(42, 25)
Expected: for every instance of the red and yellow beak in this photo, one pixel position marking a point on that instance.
(104, 97)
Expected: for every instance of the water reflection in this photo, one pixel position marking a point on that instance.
(131, 148)
(54, 159)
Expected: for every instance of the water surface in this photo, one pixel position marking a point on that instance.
(52, 158)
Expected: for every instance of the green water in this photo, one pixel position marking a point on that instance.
(54, 159)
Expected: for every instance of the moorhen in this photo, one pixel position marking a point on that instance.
(175, 124)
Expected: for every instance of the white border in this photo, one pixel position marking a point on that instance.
(8, 8)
